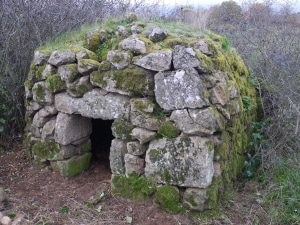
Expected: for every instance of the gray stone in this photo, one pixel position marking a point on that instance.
(66, 104)
(217, 169)
(121, 129)
(51, 109)
(157, 61)
(118, 59)
(179, 89)
(68, 73)
(44, 113)
(70, 128)
(81, 86)
(195, 199)
(203, 47)
(48, 71)
(184, 58)
(132, 81)
(86, 66)
(140, 114)
(1, 214)
(32, 106)
(62, 57)
(135, 45)
(136, 29)
(182, 161)
(41, 94)
(116, 156)
(233, 91)
(6, 220)
(122, 31)
(143, 135)
(40, 57)
(233, 107)
(73, 166)
(158, 35)
(108, 107)
(135, 148)
(134, 165)
(28, 93)
(48, 129)
(86, 54)
(68, 151)
(198, 121)
(38, 120)
(219, 94)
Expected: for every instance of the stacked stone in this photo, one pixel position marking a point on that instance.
(147, 94)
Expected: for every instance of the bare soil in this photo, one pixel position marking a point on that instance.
(47, 198)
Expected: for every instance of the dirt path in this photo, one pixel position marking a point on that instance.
(47, 198)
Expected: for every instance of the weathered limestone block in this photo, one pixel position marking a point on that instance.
(157, 61)
(184, 58)
(72, 166)
(86, 54)
(121, 129)
(71, 128)
(118, 59)
(86, 66)
(61, 57)
(41, 94)
(68, 73)
(116, 156)
(130, 81)
(48, 129)
(140, 114)
(179, 89)
(198, 121)
(48, 71)
(233, 107)
(32, 107)
(66, 104)
(143, 135)
(220, 94)
(108, 107)
(158, 34)
(122, 32)
(40, 57)
(68, 151)
(135, 45)
(81, 86)
(195, 199)
(135, 148)
(39, 119)
(203, 47)
(182, 161)
(134, 165)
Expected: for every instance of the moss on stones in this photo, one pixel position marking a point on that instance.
(45, 149)
(74, 165)
(214, 193)
(122, 129)
(168, 129)
(54, 83)
(40, 93)
(133, 187)
(132, 80)
(168, 198)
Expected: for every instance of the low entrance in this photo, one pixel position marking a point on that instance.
(101, 138)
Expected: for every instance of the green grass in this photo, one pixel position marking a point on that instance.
(283, 199)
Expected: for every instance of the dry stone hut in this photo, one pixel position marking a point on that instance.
(177, 103)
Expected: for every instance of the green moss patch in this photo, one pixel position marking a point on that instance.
(45, 149)
(54, 83)
(133, 187)
(168, 197)
(121, 129)
(168, 129)
(133, 80)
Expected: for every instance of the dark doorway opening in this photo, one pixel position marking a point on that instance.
(101, 138)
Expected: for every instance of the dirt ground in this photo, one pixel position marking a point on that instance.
(47, 198)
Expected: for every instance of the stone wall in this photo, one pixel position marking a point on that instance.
(181, 104)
